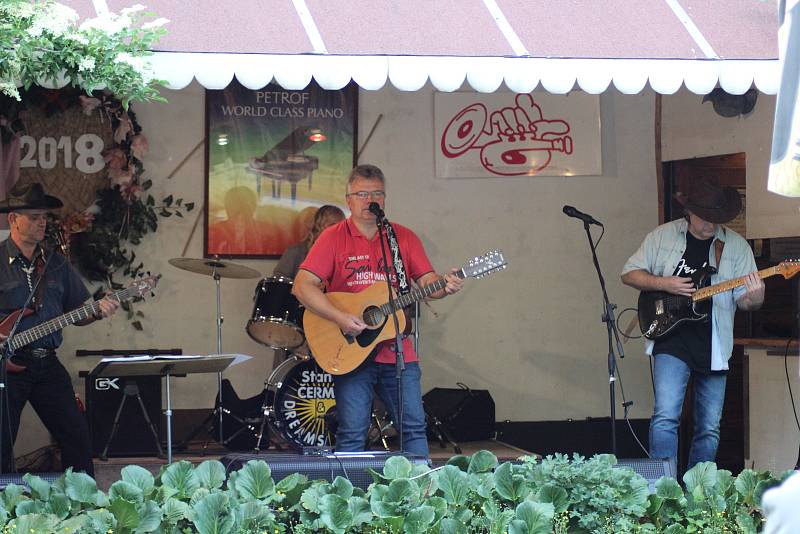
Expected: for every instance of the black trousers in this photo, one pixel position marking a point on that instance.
(46, 384)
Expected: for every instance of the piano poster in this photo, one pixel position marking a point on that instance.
(274, 156)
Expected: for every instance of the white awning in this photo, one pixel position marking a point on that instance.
(483, 74)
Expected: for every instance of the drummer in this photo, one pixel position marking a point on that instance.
(290, 261)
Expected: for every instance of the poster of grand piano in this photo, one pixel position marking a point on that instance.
(273, 157)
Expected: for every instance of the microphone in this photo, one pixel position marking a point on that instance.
(585, 217)
(375, 208)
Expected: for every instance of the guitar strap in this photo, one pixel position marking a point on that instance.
(397, 260)
(718, 246)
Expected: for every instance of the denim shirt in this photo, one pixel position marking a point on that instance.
(659, 255)
(64, 291)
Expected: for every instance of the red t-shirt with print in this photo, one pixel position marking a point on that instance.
(349, 262)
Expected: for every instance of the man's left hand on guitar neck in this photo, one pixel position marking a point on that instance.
(753, 297)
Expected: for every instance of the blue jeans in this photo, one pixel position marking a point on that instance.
(354, 394)
(671, 375)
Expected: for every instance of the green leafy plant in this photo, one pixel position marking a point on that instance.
(468, 495)
(42, 42)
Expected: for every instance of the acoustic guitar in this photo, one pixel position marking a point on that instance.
(138, 288)
(338, 353)
(660, 312)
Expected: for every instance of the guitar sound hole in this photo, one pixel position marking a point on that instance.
(373, 316)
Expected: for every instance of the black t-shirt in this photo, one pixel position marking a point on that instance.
(691, 340)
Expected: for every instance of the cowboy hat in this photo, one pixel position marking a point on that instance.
(711, 202)
(29, 197)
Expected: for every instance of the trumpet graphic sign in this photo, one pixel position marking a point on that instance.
(503, 134)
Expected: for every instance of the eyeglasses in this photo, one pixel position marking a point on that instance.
(364, 195)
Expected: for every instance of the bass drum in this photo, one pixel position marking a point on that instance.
(303, 403)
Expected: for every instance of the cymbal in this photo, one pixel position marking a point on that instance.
(214, 266)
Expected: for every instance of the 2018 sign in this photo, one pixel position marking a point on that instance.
(84, 154)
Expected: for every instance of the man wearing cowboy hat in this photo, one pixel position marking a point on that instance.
(30, 269)
(666, 259)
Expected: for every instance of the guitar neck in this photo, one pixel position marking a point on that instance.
(708, 292)
(415, 295)
(54, 325)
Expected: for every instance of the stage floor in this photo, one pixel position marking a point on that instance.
(108, 471)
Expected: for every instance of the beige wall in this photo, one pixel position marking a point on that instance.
(531, 335)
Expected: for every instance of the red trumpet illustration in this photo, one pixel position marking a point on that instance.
(513, 141)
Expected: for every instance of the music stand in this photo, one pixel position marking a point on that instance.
(166, 366)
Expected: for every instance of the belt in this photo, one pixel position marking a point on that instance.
(36, 353)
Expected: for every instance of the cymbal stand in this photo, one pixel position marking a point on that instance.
(216, 277)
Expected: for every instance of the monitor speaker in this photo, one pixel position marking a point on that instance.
(137, 395)
(466, 414)
(326, 466)
(651, 469)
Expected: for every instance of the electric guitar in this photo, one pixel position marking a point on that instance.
(137, 288)
(661, 312)
(338, 353)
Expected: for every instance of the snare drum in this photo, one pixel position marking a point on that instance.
(277, 317)
(302, 402)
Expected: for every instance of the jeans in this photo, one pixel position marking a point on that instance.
(671, 376)
(354, 394)
(47, 385)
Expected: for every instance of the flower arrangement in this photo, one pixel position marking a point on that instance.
(42, 42)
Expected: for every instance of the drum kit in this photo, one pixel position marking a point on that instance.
(298, 404)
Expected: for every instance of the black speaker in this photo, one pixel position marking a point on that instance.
(651, 469)
(352, 466)
(467, 414)
(105, 395)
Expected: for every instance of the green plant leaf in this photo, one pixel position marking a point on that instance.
(517, 526)
(139, 477)
(210, 474)
(703, 477)
(12, 495)
(180, 477)
(253, 481)
(448, 525)
(360, 510)
(419, 519)
(174, 510)
(342, 487)
(101, 520)
(335, 513)
(253, 516)
(59, 505)
(555, 495)
(149, 517)
(508, 484)
(40, 488)
(401, 490)
(668, 488)
(675, 529)
(211, 515)
(80, 487)
(452, 481)
(460, 461)
(125, 513)
(291, 488)
(125, 490)
(397, 467)
(34, 524)
(29, 507)
(482, 462)
(538, 516)
(73, 525)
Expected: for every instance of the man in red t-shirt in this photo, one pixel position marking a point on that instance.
(347, 257)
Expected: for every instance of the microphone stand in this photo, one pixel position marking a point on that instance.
(6, 353)
(399, 357)
(611, 327)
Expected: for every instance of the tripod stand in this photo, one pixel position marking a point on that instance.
(217, 269)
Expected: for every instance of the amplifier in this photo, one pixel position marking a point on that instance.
(350, 465)
(467, 414)
(137, 396)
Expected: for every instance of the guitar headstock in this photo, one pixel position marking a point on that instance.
(788, 268)
(489, 263)
(141, 286)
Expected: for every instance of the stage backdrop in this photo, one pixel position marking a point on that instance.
(506, 134)
(273, 157)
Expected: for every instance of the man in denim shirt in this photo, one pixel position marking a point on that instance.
(665, 261)
(34, 373)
